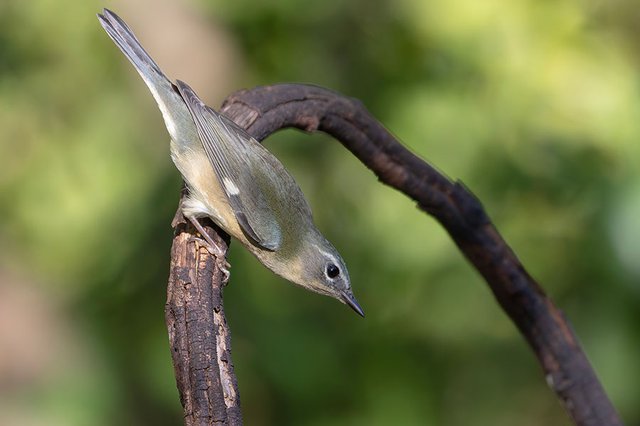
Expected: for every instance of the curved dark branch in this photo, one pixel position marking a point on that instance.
(264, 110)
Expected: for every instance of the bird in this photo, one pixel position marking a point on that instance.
(236, 182)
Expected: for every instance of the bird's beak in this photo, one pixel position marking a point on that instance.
(349, 300)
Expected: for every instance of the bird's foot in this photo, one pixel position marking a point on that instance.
(224, 267)
(218, 253)
(213, 248)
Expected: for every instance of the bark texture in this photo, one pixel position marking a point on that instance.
(198, 332)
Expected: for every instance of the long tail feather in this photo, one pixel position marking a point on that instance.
(124, 38)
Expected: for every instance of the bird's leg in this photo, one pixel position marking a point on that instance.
(212, 248)
(208, 243)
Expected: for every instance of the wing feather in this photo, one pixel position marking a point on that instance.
(229, 150)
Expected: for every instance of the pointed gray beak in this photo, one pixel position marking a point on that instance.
(351, 302)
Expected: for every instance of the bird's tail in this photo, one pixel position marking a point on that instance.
(174, 111)
(124, 38)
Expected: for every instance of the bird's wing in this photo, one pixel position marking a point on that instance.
(229, 149)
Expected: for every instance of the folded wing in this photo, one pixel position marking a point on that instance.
(229, 150)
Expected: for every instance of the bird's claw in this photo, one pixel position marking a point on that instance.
(224, 267)
(221, 262)
(209, 245)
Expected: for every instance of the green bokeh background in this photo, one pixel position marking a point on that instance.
(535, 105)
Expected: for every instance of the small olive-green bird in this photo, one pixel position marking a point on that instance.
(236, 182)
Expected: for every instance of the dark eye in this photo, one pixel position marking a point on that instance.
(332, 270)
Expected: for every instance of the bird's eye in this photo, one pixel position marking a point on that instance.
(332, 270)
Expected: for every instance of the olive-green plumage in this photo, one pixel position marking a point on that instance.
(236, 182)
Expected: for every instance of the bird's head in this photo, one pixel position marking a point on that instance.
(323, 271)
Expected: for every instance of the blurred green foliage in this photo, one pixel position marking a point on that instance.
(533, 104)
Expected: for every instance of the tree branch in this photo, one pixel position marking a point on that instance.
(198, 332)
(264, 110)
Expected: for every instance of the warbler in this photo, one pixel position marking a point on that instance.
(238, 183)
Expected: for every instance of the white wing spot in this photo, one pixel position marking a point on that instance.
(231, 187)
